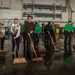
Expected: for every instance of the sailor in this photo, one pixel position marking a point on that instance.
(15, 30)
(48, 28)
(29, 28)
(68, 30)
(48, 44)
(2, 36)
(36, 35)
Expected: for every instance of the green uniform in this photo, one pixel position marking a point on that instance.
(37, 29)
(68, 27)
(71, 28)
(54, 28)
(22, 28)
(68, 60)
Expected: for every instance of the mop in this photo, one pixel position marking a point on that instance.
(55, 48)
(40, 59)
(19, 60)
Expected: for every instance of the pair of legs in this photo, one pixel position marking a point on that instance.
(67, 44)
(2, 43)
(47, 41)
(48, 47)
(23, 34)
(16, 43)
(35, 37)
(27, 45)
(67, 41)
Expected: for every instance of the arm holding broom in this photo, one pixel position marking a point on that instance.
(32, 45)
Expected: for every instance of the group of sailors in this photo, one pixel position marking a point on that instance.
(33, 30)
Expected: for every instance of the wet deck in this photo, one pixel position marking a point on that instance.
(57, 67)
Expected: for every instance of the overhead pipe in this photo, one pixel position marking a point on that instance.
(22, 1)
(1, 6)
(33, 7)
(10, 4)
(69, 10)
(38, 20)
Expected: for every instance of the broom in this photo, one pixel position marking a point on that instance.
(53, 42)
(19, 60)
(32, 45)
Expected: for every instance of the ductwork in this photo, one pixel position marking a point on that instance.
(69, 10)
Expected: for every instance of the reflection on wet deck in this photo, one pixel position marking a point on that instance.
(54, 68)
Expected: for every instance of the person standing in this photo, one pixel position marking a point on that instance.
(29, 28)
(15, 30)
(2, 36)
(36, 34)
(48, 28)
(48, 44)
(68, 31)
(23, 35)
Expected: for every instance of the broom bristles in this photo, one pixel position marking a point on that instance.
(40, 59)
(56, 50)
(19, 61)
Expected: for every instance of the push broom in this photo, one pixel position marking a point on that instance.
(40, 59)
(55, 48)
(19, 60)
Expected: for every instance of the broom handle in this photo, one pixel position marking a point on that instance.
(17, 49)
(52, 40)
(32, 45)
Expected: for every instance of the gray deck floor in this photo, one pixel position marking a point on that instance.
(57, 67)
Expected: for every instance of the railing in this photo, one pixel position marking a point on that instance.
(43, 6)
(52, 8)
(52, 15)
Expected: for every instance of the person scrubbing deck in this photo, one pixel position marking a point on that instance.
(68, 31)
